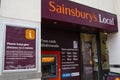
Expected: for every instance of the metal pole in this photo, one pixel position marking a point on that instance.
(100, 74)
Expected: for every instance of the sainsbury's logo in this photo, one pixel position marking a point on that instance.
(75, 12)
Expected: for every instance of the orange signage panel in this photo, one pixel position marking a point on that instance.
(48, 59)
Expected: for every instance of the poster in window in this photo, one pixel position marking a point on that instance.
(20, 48)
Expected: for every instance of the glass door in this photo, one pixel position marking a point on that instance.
(89, 54)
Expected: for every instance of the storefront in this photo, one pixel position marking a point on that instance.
(73, 41)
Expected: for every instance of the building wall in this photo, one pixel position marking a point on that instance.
(87, 2)
(25, 12)
(114, 42)
(29, 12)
(21, 9)
(99, 4)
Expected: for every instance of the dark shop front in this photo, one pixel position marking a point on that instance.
(74, 41)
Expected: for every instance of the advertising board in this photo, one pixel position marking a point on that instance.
(20, 48)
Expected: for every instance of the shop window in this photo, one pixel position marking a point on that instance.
(104, 51)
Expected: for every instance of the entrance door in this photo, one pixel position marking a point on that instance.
(89, 53)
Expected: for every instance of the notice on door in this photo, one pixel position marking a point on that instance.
(70, 64)
(20, 48)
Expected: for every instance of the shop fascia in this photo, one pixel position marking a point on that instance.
(75, 12)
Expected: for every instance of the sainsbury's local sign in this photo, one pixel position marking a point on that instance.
(68, 11)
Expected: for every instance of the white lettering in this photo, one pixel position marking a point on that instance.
(106, 20)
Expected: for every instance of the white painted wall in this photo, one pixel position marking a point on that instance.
(25, 12)
(90, 3)
(114, 42)
(0, 9)
(105, 5)
(117, 7)
(21, 9)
